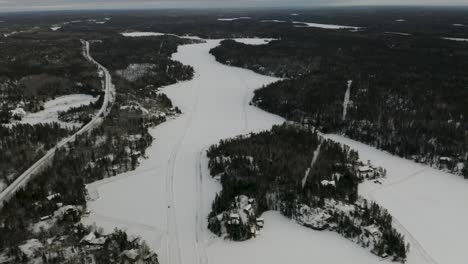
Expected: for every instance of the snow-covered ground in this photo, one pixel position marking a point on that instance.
(457, 39)
(253, 41)
(346, 99)
(398, 33)
(429, 206)
(166, 199)
(52, 107)
(326, 26)
(232, 18)
(273, 21)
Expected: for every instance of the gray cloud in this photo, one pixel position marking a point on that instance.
(20, 5)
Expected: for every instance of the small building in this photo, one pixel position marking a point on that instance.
(234, 219)
(248, 209)
(260, 222)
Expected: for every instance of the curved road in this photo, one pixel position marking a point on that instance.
(27, 175)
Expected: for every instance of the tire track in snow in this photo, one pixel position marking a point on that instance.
(414, 243)
(199, 223)
(174, 248)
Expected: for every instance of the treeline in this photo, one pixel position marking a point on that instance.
(271, 166)
(408, 94)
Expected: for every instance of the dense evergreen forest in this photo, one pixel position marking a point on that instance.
(302, 175)
(407, 94)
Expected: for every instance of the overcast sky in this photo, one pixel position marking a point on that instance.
(23, 5)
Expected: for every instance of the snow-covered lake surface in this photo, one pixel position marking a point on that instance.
(326, 26)
(457, 39)
(273, 21)
(233, 18)
(253, 41)
(167, 198)
(422, 200)
(52, 107)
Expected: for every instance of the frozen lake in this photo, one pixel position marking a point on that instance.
(167, 198)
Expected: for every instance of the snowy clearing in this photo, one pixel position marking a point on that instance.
(398, 33)
(254, 41)
(325, 26)
(233, 18)
(346, 99)
(314, 159)
(273, 21)
(55, 28)
(457, 39)
(52, 107)
(142, 34)
(155, 34)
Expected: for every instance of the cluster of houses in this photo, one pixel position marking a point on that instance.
(242, 212)
(369, 172)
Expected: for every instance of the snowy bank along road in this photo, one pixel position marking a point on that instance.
(167, 198)
(24, 178)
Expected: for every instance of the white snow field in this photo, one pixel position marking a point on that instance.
(429, 206)
(61, 103)
(232, 18)
(325, 26)
(167, 198)
(457, 39)
(254, 41)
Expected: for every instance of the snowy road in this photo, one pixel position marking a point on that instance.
(167, 198)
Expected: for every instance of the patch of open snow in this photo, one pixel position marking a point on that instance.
(233, 18)
(52, 107)
(273, 21)
(294, 14)
(346, 99)
(458, 25)
(55, 28)
(325, 26)
(314, 159)
(155, 34)
(457, 39)
(31, 247)
(400, 20)
(398, 33)
(254, 41)
(142, 34)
